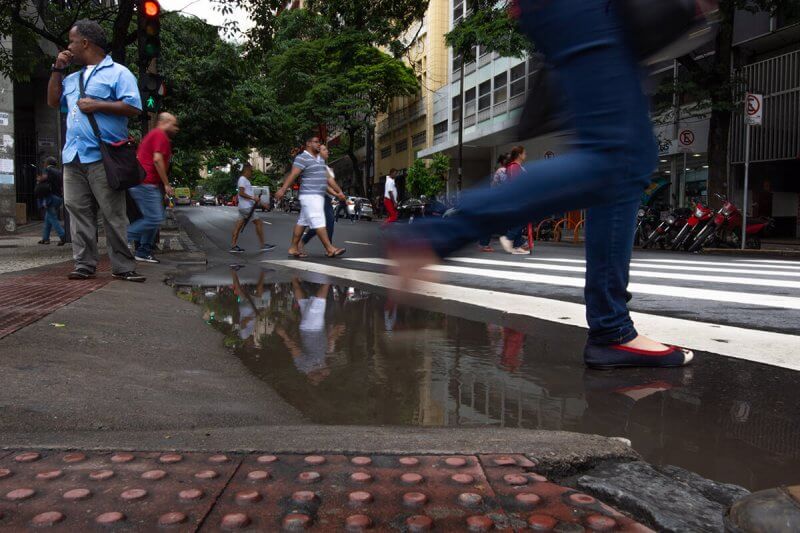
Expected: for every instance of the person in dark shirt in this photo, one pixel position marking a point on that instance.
(50, 198)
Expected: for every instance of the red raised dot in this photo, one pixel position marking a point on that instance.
(170, 519)
(206, 474)
(122, 458)
(361, 461)
(314, 460)
(220, 458)
(266, 459)
(515, 479)
(19, 494)
(74, 457)
(409, 461)
(542, 522)
(47, 475)
(361, 477)
(28, 457)
(528, 499)
(248, 496)
(169, 458)
(304, 496)
(581, 499)
(309, 477)
(456, 462)
(504, 461)
(110, 518)
(258, 475)
(414, 499)
(191, 494)
(419, 523)
(479, 523)
(463, 479)
(598, 522)
(5, 472)
(411, 478)
(48, 518)
(360, 497)
(133, 494)
(470, 499)
(296, 521)
(235, 521)
(357, 522)
(101, 475)
(154, 475)
(77, 494)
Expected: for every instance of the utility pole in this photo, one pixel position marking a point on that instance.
(461, 128)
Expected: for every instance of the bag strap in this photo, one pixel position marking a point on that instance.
(92, 120)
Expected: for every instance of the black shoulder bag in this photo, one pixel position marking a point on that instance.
(123, 170)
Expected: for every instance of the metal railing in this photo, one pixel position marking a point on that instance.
(403, 116)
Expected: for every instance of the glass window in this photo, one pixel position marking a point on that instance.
(456, 107)
(501, 88)
(440, 128)
(386, 152)
(518, 80)
(420, 138)
(484, 95)
(457, 64)
(469, 102)
(458, 11)
(402, 146)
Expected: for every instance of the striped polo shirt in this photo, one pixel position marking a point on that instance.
(314, 179)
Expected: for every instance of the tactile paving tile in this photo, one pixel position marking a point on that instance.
(124, 491)
(338, 493)
(531, 500)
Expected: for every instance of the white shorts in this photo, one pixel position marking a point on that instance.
(312, 211)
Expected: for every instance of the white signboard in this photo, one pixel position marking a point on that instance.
(3, 119)
(6, 166)
(8, 141)
(753, 109)
(686, 138)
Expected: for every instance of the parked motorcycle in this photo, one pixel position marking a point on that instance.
(726, 227)
(646, 221)
(700, 216)
(668, 229)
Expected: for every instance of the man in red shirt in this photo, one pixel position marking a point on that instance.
(154, 154)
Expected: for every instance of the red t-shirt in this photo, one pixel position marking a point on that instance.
(155, 141)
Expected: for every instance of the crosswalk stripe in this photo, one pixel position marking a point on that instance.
(789, 264)
(747, 298)
(766, 347)
(714, 263)
(783, 284)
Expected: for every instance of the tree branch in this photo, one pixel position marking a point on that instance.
(16, 18)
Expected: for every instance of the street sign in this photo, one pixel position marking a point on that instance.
(686, 141)
(549, 154)
(754, 109)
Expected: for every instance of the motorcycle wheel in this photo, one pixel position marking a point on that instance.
(680, 237)
(651, 240)
(701, 239)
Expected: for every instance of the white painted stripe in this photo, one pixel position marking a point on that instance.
(358, 243)
(775, 349)
(779, 283)
(747, 298)
(712, 263)
(789, 264)
(696, 268)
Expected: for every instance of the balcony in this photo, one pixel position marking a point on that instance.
(403, 116)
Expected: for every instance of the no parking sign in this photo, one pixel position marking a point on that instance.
(753, 109)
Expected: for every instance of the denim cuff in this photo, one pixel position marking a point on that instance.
(613, 337)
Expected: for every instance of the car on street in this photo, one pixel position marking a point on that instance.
(183, 196)
(367, 212)
(264, 193)
(208, 199)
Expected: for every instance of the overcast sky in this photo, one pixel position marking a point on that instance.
(205, 9)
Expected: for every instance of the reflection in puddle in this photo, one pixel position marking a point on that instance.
(344, 355)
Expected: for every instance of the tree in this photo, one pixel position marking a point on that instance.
(428, 180)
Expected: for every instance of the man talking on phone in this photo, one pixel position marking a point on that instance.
(112, 96)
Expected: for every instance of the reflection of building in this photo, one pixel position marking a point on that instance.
(408, 126)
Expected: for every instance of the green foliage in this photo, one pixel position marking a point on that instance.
(491, 26)
(219, 182)
(428, 180)
(261, 179)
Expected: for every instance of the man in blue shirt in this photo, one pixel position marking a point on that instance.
(112, 96)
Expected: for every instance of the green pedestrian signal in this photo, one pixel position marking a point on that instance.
(151, 103)
(153, 89)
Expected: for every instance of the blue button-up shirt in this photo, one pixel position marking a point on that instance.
(108, 81)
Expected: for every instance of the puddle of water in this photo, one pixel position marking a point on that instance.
(344, 355)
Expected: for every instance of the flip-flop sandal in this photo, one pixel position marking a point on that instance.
(299, 255)
(337, 253)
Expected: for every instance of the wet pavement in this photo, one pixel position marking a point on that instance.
(341, 354)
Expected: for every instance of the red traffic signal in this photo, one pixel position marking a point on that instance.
(149, 30)
(151, 8)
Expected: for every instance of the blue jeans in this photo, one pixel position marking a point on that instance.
(329, 220)
(517, 235)
(51, 218)
(150, 201)
(613, 154)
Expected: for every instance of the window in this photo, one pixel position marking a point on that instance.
(501, 88)
(456, 108)
(469, 102)
(386, 152)
(518, 80)
(484, 95)
(458, 11)
(457, 64)
(440, 128)
(402, 146)
(420, 138)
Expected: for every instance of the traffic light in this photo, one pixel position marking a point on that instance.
(149, 30)
(153, 89)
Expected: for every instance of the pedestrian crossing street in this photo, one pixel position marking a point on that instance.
(757, 282)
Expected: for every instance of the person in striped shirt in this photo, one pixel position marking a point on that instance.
(313, 188)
